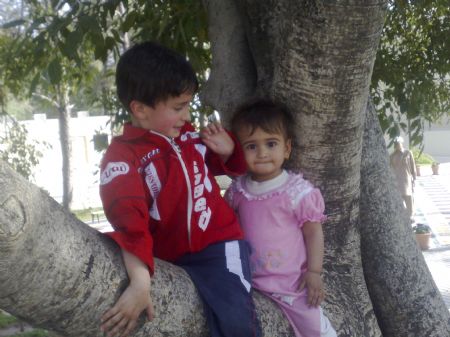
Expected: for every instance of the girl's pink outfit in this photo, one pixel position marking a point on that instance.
(272, 214)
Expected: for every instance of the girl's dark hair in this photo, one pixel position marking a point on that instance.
(150, 73)
(270, 116)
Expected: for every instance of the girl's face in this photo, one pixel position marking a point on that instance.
(264, 152)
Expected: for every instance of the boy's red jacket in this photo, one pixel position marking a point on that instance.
(161, 198)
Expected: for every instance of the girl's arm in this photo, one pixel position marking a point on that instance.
(218, 140)
(122, 318)
(225, 155)
(312, 280)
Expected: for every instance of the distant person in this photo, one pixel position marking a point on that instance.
(404, 168)
(281, 214)
(160, 195)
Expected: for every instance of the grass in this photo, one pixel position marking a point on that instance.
(85, 214)
(6, 320)
(422, 158)
(33, 333)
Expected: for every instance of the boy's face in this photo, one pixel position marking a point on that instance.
(165, 117)
(264, 152)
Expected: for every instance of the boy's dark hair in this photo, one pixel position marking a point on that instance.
(150, 73)
(270, 116)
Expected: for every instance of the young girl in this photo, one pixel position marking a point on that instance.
(281, 214)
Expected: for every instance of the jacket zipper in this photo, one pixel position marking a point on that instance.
(177, 150)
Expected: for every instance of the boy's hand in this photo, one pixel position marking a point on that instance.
(313, 282)
(122, 318)
(217, 140)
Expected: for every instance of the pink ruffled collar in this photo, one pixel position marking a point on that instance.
(294, 183)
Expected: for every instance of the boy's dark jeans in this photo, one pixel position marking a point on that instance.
(221, 274)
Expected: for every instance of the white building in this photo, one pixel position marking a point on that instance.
(437, 140)
(86, 160)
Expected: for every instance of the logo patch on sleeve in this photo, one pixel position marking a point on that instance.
(112, 170)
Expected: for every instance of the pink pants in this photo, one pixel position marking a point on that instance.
(306, 321)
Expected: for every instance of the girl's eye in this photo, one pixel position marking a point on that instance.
(251, 147)
(272, 144)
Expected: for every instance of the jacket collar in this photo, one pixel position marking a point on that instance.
(131, 132)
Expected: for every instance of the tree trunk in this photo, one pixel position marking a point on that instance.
(64, 109)
(318, 58)
(399, 282)
(233, 77)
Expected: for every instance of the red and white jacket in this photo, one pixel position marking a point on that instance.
(160, 195)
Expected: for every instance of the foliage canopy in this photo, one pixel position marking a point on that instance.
(16, 149)
(411, 77)
(410, 83)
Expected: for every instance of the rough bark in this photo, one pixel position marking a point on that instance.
(318, 57)
(232, 78)
(335, 47)
(59, 274)
(400, 285)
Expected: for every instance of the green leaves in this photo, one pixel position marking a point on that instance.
(130, 21)
(60, 40)
(18, 150)
(410, 81)
(88, 23)
(12, 24)
(55, 71)
(73, 41)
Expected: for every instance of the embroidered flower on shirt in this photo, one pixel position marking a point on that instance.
(268, 260)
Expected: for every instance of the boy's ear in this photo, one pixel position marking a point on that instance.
(137, 109)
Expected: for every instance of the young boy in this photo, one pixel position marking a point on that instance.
(159, 194)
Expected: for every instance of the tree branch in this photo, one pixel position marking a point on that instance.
(59, 274)
(47, 99)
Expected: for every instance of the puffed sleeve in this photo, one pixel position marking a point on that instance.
(311, 208)
(230, 195)
(124, 202)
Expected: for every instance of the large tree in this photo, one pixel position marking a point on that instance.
(318, 58)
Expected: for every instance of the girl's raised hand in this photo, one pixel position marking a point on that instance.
(218, 140)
